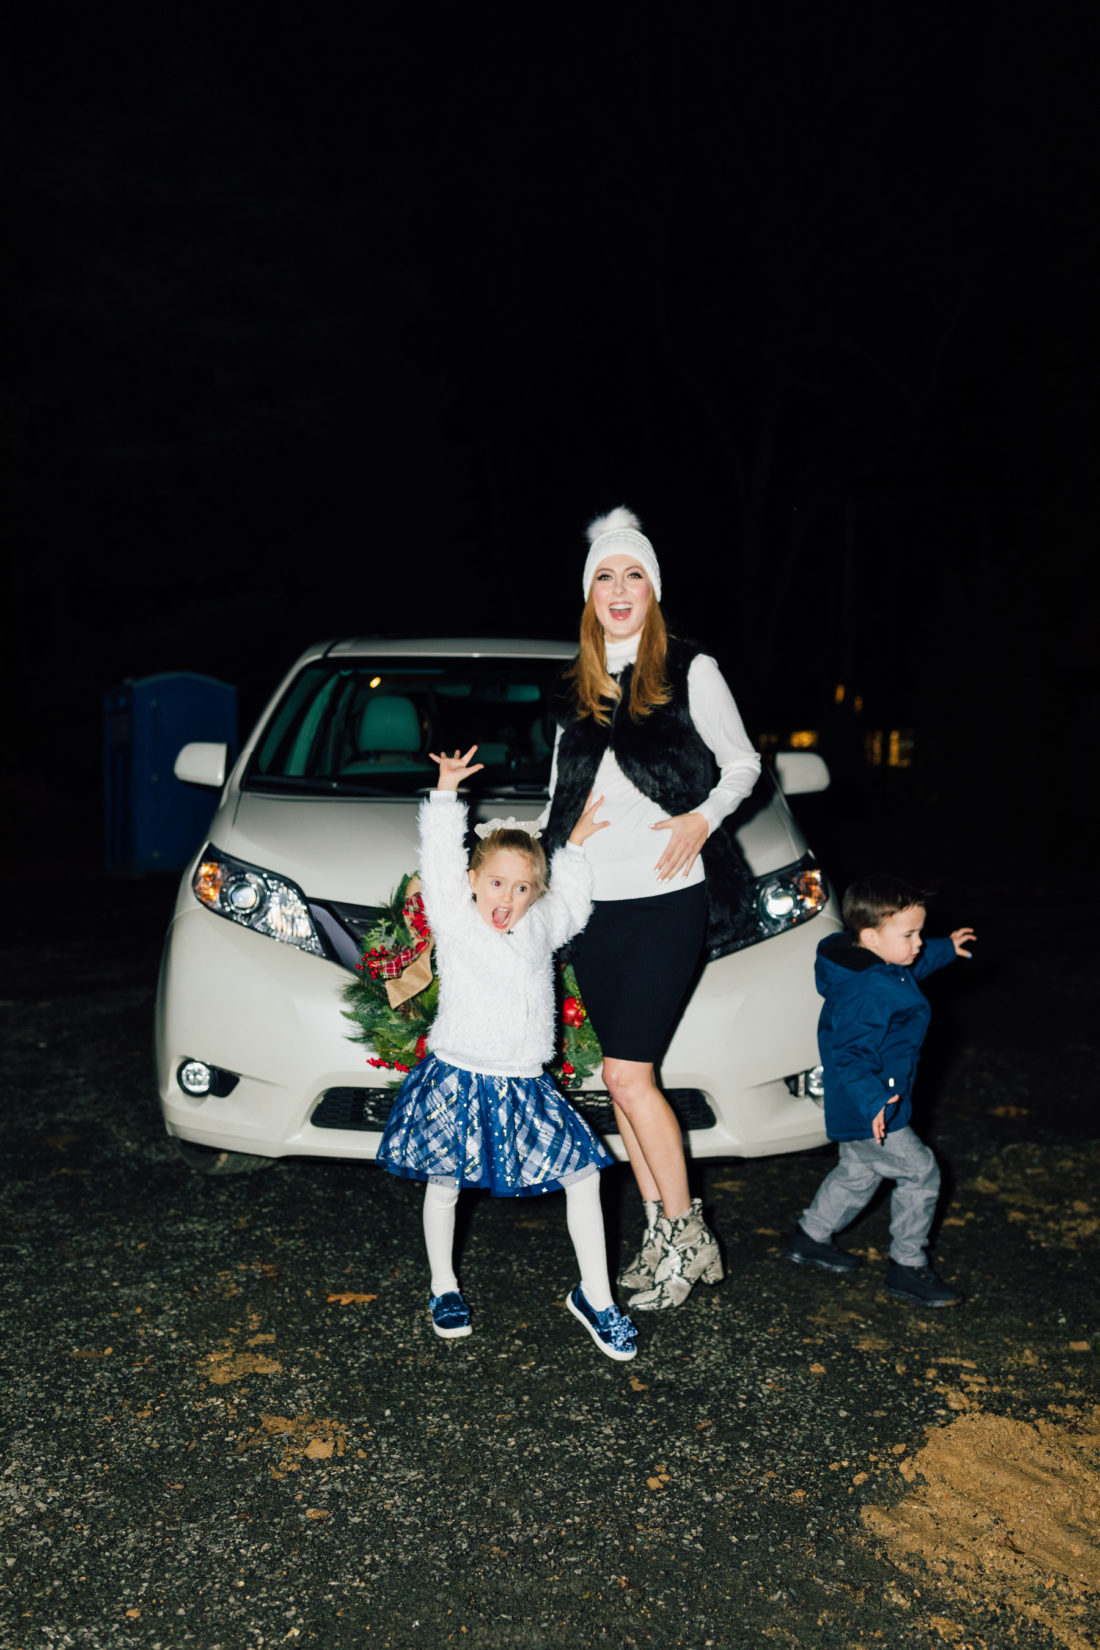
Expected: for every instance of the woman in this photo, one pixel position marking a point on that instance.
(649, 724)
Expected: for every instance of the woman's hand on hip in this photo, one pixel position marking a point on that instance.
(687, 834)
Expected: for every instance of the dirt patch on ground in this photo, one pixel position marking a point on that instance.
(1022, 1182)
(300, 1437)
(1007, 1515)
(229, 1363)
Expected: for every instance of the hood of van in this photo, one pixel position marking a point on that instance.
(352, 849)
(355, 850)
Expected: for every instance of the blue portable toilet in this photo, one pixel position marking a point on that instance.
(154, 822)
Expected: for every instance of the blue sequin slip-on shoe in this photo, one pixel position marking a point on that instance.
(613, 1333)
(450, 1315)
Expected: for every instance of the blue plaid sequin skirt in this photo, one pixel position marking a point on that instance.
(514, 1136)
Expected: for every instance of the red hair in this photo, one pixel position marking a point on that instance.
(596, 690)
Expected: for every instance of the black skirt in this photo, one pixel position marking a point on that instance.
(635, 961)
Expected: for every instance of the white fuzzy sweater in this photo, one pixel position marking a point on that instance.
(496, 991)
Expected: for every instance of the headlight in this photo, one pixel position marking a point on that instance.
(788, 897)
(255, 898)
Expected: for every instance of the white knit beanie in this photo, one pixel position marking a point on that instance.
(620, 533)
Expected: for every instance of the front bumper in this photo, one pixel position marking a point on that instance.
(271, 1014)
(751, 1022)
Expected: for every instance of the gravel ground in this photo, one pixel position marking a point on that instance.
(229, 1424)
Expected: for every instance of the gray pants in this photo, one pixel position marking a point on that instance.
(863, 1166)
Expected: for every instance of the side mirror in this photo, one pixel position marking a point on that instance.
(202, 764)
(801, 772)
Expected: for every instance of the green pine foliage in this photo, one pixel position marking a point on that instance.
(580, 1047)
(396, 1036)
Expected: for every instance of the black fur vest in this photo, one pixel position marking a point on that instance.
(665, 757)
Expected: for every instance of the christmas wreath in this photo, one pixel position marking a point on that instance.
(392, 1000)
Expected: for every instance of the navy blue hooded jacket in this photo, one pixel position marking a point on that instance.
(871, 1029)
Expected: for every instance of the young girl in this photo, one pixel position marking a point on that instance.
(479, 1109)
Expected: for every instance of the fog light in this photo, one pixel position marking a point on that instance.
(807, 1085)
(195, 1078)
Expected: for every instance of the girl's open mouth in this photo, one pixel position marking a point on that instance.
(502, 916)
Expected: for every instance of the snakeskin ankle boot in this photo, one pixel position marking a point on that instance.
(640, 1272)
(690, 1252)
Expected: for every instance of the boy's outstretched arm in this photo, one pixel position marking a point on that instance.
(961, 937)
(939, 952)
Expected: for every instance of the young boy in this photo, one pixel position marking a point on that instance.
(870, 1033)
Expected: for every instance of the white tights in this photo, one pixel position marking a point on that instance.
(583, 1216)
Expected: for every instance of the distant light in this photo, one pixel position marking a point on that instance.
(804, 740)
(872, 745)
(375, 681)
(838, 695)
(899, 749)
(857, 704)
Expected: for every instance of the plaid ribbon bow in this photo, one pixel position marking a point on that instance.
(393, 964)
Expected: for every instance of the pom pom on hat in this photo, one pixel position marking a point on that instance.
(615, 521)
(620, 533)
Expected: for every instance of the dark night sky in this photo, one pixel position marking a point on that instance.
(347, 318)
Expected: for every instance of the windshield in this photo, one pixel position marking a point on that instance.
(363, 726)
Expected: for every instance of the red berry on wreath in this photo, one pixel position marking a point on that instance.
(573, 1011)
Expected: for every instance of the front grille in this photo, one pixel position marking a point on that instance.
(368, 1109)
(690, 1106)
(353, 1109)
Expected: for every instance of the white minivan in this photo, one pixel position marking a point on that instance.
(313, 830)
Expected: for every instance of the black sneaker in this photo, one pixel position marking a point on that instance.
(920, 1284)
(802, 1248)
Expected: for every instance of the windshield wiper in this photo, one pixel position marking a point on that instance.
(510, 788)
(315, 787)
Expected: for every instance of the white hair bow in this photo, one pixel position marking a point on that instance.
(508, 824)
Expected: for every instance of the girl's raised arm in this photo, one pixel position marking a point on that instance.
(441, 829)
(568, 905)
(454, 769)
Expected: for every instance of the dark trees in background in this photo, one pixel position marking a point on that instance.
(813, 283)
(830, 286)
(325, 329)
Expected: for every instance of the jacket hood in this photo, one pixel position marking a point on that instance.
(838, 954)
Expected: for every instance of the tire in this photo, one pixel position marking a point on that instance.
(211, 1160)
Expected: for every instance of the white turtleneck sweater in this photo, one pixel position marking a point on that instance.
(624, 857)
